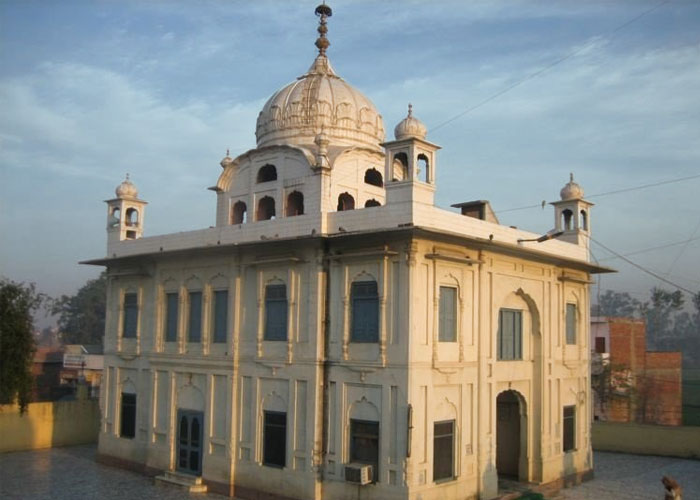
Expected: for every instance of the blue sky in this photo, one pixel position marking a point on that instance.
(90, 90)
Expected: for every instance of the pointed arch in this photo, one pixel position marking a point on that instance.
(295, 204)
(267, 173)
(239, 213)
(374, 177)
(266, 208)
(345, 202)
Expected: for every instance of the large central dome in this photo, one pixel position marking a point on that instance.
(320, 100)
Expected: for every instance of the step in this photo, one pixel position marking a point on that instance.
(193, 484)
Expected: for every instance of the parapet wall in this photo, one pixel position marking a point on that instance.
(49, 424)
(668, 441)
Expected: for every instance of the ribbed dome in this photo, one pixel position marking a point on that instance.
(571, 191)
(410, 127)
(126, 189)
(319, 99)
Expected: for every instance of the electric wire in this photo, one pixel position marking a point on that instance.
(642, 268)
(651, 249)
(608, 193)
(544, 69)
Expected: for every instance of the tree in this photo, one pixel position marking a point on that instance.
(82, 316)
(619, 304)
(18, 302)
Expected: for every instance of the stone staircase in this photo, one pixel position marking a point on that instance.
(193, 484)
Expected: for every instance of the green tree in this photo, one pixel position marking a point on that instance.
(81, 317)
(617, 304)
(18, 302)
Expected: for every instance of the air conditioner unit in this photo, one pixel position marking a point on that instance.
(358, 473)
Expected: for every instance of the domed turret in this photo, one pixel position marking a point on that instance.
(226, 161)
(410, 127)
(126, 189)
(571, 191)
(320, 99)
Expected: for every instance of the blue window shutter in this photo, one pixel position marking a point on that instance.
(171, 313)
(131, 315)
(365, 312)
(195, 320)
(275, 312)
(447, 325)
(220, 315)
(570, 323)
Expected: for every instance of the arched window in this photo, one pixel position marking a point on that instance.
(266, 209)
(275, 312)
(372, 203)
(567, 216)
(423, 168)
(295, 204)
(584, 220)
(132, 217)
(116, 217)
(239, 213)
(373, 177)
(365, 312)
(400, 167)
(345, 202)
(267, 173)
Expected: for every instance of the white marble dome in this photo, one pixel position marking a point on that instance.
(410, 127)
(571, 191)
(317, 100)
(126, 189)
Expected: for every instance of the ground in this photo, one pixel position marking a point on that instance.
(71, 472)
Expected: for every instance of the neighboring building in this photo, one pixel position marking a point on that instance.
(335, 318)
(632, 384)
(46, 370)
(83, 363)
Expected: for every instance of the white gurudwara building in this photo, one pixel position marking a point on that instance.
(338, 336)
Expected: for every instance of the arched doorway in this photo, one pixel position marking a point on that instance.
(511, 435)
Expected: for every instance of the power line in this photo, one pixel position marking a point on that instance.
(682, 250)
(607, 193)
(542, 70)
(650, 249)
(651, 273)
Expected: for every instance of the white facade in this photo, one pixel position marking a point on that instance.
(428, 381)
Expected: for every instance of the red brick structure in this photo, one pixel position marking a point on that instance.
(645, 385)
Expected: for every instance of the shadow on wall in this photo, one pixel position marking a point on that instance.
(49, 424)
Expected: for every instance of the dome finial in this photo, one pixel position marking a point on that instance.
(323, 11)
(410, 109)
(571, 176)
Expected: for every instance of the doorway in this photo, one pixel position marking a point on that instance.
(189, 441)
(510, 428)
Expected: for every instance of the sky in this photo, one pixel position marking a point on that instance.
(518, 94)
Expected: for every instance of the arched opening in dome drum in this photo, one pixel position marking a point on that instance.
(295, 204)
(266, 209)
(373, 177)
(423, 168)
(116, 217)
(132, 217)
(400, 167)
(346, 202)
(239, 214)
(567, 216)
(583, 224)
(267, 173)
(372, 203)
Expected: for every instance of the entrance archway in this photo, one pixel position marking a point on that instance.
(511, 436)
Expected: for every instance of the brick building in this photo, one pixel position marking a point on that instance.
(641, 386)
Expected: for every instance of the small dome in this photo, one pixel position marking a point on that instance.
(226, 161)
(410, 127)
(126, 189)
(571, 191)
